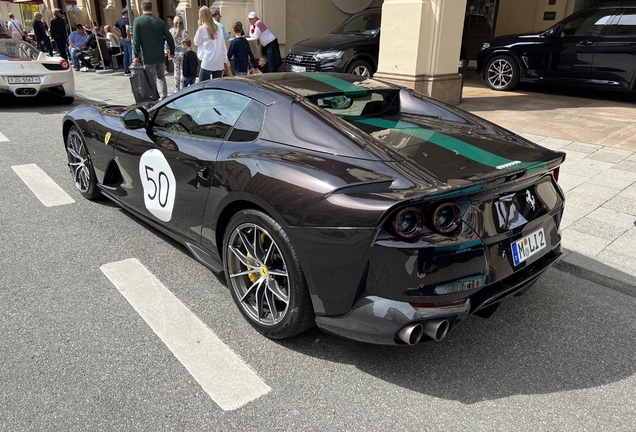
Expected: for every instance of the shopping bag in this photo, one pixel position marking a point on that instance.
(142, 87)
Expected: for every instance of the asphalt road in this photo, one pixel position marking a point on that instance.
(75, 355)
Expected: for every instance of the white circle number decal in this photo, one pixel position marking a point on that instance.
(158, 183)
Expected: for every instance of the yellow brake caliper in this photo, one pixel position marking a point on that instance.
(254, 276)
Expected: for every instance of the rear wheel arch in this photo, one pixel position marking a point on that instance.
(226, 215)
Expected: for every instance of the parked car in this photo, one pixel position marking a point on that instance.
(26, 72)
(368, 209)
(595, 47)
(352, 47)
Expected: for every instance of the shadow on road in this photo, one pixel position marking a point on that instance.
(564, 334)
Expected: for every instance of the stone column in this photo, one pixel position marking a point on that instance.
(420, 43)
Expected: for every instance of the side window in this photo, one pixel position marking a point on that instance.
(590, 23)
(249, 124)
(626, 25)
(207, 113)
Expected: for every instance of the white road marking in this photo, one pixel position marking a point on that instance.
(3, 138)
(44, 188)
(222, 374)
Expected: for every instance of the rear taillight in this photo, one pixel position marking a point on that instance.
(64, 64)
(555, 173)
(408, 223)
(445, 218)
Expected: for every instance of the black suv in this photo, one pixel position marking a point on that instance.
(594, 47)
(352, 47)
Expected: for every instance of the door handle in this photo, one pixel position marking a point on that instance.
(586, 42)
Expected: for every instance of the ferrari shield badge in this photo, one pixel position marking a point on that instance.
(107, 138)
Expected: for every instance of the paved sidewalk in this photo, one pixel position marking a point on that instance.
(599, 180)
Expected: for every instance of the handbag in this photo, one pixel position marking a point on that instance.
(142, 88)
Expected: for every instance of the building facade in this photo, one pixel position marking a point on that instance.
(420, 43)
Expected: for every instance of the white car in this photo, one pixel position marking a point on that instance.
(26, 72)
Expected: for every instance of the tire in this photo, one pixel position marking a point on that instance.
(502, 73)
(80, 164)
(265, 276)
(67, 100)
(360, 67)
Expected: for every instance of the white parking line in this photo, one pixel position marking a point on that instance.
(3, 138)
(45, 189)
(222, 374)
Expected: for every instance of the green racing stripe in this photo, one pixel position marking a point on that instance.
(455, 145)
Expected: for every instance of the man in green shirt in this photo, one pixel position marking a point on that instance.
(149, 36)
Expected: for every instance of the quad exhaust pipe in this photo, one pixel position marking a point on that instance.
(26, 91)
(412, 333)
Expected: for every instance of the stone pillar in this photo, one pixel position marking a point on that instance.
(420, 43)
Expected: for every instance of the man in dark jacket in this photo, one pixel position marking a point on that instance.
(58, 32)
(41, 38)
(149, 36)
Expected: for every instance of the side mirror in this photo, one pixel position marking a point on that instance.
(134, 118)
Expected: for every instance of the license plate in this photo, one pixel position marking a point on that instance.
(24, 80)
(528, 246)
(295, 68)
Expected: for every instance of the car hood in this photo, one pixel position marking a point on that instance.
(516, 38)
(328, 42)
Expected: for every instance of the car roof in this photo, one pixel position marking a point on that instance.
(311, 84)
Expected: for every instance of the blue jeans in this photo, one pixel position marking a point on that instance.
(205, 74)
(188, 81)
(76, 62)
(127, 47)
(272, 51)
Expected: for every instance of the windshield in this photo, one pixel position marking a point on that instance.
(362, 23)
(12, 49)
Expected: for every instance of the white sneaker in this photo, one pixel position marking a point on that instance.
(84, 69)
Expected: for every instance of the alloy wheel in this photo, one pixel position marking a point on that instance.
(500, 73)
(360, 70)
(258, 274)
(79, 161)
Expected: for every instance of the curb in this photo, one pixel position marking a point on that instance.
(592, 270)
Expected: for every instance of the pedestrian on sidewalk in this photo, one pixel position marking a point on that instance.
(123, 25)
(149, 36)
(77, 40)
(212, 51)
(241, 51)
(114, 45)
(178, 34)
(16, 29)
(266, 39)
(216, 15)
(58, 33)
(190, 63)
(41, 38)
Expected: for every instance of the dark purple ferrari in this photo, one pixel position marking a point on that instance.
(362, 207)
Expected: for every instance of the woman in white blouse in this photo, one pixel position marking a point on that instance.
(211, 46)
